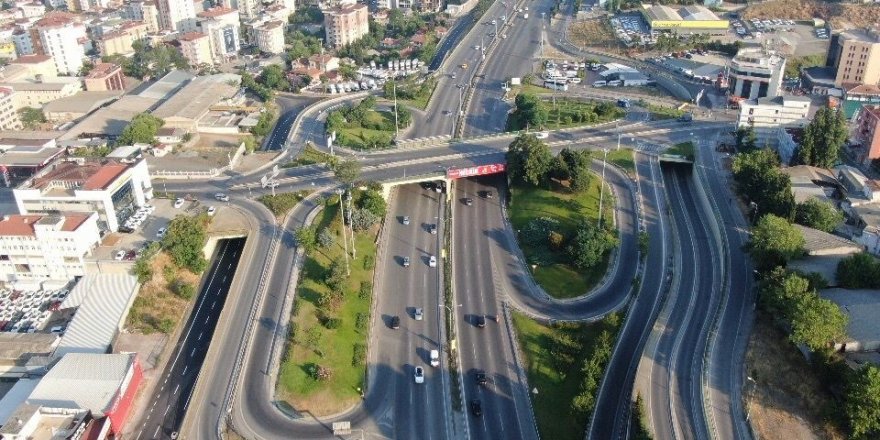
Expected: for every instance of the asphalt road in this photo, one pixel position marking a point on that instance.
(290, 106)
(504, 399)
(171, 400)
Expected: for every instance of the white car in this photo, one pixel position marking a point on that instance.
(542, 135)
(212, 210)
(161, 232)
(178, 203)
(419, 314)
(435, 358)
(419, 375)
(120, 254)
(432, 261)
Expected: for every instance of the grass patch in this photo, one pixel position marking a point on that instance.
(554, 358)
(414, 94)
(309, 156)
(157, 307)
(622, 158)
(684, 149)
(661, 111)
(329, 336)
(358, 137)
(572, 113)
(550, 268)
(280, 204)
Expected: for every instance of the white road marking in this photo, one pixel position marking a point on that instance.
(200, 335)
(176, 389)
(157, 432)
(184, 370)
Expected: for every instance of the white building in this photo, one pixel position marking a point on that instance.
(9, 109)
(269, 37)
(177, 15)
(145, 11)
(59, 37)
(781, 111)
(112, 188)
(32, 10)
(38, 248)
(756, 73)
(223, 28)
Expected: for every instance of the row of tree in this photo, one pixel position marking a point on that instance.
(530, 162)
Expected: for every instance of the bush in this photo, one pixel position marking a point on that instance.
(369, 262)
(166, 325)
(360, 354)
(326, 238)
(331, 323)
(291, 332)
(361, 321)
(185, 290)
(184, 242)
(365, 290)
(538, 231)
(362, 219)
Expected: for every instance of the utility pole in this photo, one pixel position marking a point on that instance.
(344, 237)
(617, 128)
(602, 186)
(396, 125)
(351, 226)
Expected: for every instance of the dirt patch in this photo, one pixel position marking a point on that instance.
(593, 33)
(787, 400)
(841, 15)
(323, 402)
(110, 240)
(157, 308)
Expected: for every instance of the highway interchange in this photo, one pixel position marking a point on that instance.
(490, 278)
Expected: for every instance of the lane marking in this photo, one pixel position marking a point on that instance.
(155, 434)
(177, 388)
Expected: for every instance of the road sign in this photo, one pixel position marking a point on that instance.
(263, 181)
(275, 172)
(481, 170)
(341, 428)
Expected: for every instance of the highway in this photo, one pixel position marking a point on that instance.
(171, 399)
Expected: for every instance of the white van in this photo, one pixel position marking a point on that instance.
(600, 83)
(615, 83)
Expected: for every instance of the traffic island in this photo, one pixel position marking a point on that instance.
(544, 112)
(323, 368)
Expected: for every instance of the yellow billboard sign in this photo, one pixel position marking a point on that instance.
(690, 24)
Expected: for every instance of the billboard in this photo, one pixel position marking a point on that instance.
(229, 40)
(480, 170)
(689, 24)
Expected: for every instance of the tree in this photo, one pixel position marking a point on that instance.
(823, 138)
(347, 171)
(746, 141)
(758, 178)
(530, 112)
(774, 242)
(404, 117)
(31, 118)
(264, 124)
(816, 321)
(589, 245)
(817, 214)
(859, 271)
(326, 238)
(372, 201)
(336, 275)
(273, 77)
(528, 160)
(362, 219)
(142, 130)
(184, 241)
(348, 71)
(578, 165)
(250, 144)
(306, 237)
(862, 402)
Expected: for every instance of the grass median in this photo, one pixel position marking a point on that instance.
(551, 268)
(565, 363)
(323, 368)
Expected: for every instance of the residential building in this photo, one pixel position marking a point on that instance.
(756, 73)
(857, 57)
(20, 159)
(145, 11)
(38, 248)
(111, 188)
(249, 9)
(32, 10)
(27, 422)
(430, 5)
(79, 105)
(119, 41)
(36, 91)
(859, 189)
(9, 110)
(196, 48)
(21, 39)
(780, 111)
(345, 25)
(37, 65)
(808, 182)
(58, 34)
(103, 77)
(223, 28)
(176, 15)
(269, 37)
(867, 133)
(824, 252)
(861, 308)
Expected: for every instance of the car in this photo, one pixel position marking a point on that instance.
(433, 229)
(464, 65)
(405, 261)
(435, 358)
(469, 201)
(453, 75)
(480, 377)
(161, 232)
(477, 47)
(542, 135)
(432, 261)
(480, 321)
(488, 194)
(419, 375)
(130, 255)
(120, 254)
(221, 197)
(58, 329)
(126, 229)
(212, 210)
(418, 314)
(476, 408)
(406, 220)
(178, 203)
(491, 34)
(493, 22)
(395, 322)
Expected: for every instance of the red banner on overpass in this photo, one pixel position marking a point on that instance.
(482, 170)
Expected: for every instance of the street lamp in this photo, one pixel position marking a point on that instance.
(602, 185)
(340, 191)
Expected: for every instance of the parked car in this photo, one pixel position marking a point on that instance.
(542, 135)
(178, 203)
(432, 261)
(395, 322)
(161, 233)
(418, 314)
(419, 375)
(120, 254)
(212, 210)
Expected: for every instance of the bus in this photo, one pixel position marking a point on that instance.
(560, 85)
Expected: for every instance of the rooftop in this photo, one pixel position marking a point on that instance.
(86, 175)
(862, 307)
(31, 59)
(56, 18)
(192, 36)
(110, 120)
(822, 243)
(215, 12)
(164, 87)
(688, 13)
(195, 99)
(103, 301)
(866, 35)
(43, 83)
(83, 380)
(24, 225)
(811, 182)
(83, 102)
(16, 396)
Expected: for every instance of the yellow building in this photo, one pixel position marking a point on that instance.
(684, 19)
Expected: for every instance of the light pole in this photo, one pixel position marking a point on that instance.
(351, 226)
(617, 128)
(344, 236)
(396, 125)
(602, 185)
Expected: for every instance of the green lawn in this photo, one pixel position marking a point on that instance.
(335, 347)
(421, 93)
(684, 149)
(557, 379)
(309, 156)
(280, 203)
(361, 138)
(622, 158)
(550, 268)
(566, 113)
(661, 111)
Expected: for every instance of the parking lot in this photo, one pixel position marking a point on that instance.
(631, 29)
(29, 311)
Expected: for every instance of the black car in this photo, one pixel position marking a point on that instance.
(468, 201)
(395, 322)
(480, 321)
(126, 229)
(480, 377)
(488, 194)
(476, 407)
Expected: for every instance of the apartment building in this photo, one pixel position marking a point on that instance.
(37, 248)
(856, 56)
(104, 77)
(223, 28)
(781, 111)
(112, 188)
(145, 11)
(756, 73)
(345, 25)
(8, 110)
(119, 41)
(196, 48)
(21, 39)
(176, 15)
(37, 65)
(867, 133)
(59, 35)
(269, 37)
(38, 90)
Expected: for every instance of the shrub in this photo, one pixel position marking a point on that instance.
(332, 323)
(369, 262)
(538, 230)
(365, 290)
(326, 238)
(362, 321)
(185, 290)
(323, 373)
(360, 354)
